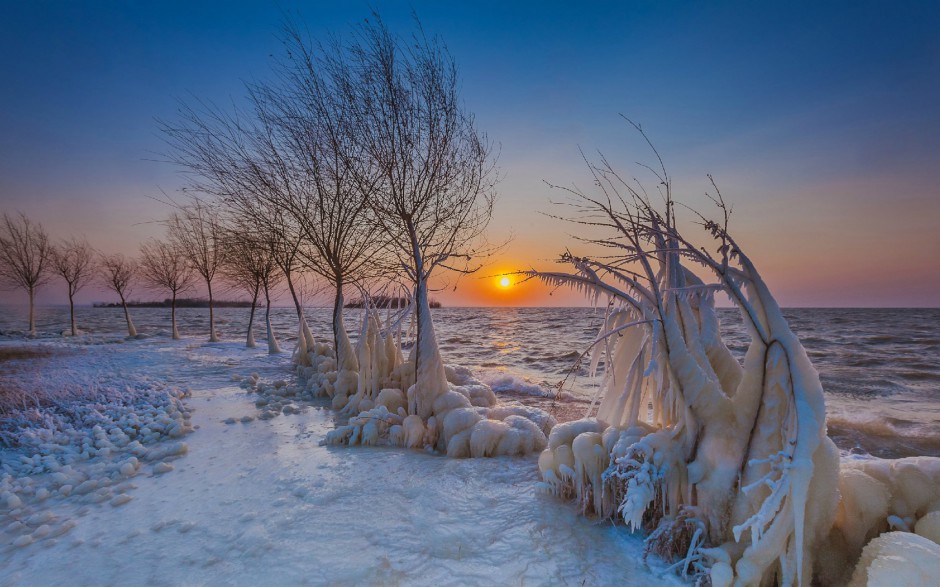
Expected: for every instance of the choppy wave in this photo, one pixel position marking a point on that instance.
(505, 382)
(884, 437)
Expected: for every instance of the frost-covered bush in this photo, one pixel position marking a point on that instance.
(88, 418)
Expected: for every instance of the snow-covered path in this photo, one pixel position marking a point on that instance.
(261, 503)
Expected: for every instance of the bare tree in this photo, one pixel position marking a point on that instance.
(251, 264)
(74, 262)
(118, 273)
(281, 238)
(312, 124)
(163, 266)
(200, 237)
(436, 170)
(24, 257)
(242, 269)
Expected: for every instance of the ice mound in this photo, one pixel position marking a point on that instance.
(898, 559)
(460, 426)
(274, 398)
(378, 389)
(502, 382)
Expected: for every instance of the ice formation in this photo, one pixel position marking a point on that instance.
(898, 558)
(388, 403)
(726, 465)
(102, 430)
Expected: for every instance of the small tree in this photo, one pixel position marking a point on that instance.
(117, 274)
(241, 269)
(200, 237)
(252, 265)
(162, 266)
(74, 262)
(24, 257)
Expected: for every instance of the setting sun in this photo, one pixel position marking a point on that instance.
(505, 282)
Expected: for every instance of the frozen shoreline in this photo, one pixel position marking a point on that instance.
(262, 503)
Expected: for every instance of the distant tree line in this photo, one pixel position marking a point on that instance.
(383, 301)
(180, 303)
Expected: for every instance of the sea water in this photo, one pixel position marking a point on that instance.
(880, 368)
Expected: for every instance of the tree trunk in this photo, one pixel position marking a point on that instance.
(430, 379)
(131, 331)
(72, 312)
(250, 340)
(345, 357)
(212, 335)
(273, 347)
(32, 312)
(308, 341)
(176, 333)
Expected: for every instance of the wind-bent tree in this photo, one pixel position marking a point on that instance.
(292, 165)
(200, 237)
(251, 265)
(74, 262)
(310, 119)
(435, 168)
(24, 257)
(284, 242)
(162, 266)
(286, 246)
(117, 274)
(272, 223)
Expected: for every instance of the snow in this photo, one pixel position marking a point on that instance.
(260, 501)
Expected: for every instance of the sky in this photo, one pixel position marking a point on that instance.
(819, 121)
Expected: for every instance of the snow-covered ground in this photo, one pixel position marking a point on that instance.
(260, 502)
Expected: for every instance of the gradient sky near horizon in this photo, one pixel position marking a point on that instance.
(819, 120)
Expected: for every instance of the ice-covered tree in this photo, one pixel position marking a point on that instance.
(118, 274)
(74, 261)
(199, 236)
(436, 171)
(163, 266)
(726, 464)
(24, 257)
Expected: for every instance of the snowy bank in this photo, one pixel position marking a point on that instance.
(261, 502)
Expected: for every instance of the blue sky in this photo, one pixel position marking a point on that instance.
(818, 119)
